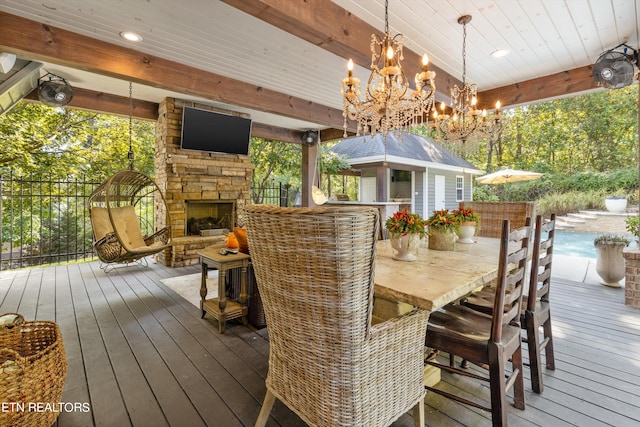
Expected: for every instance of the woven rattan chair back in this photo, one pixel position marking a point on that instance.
(493, 213)
(314, 268)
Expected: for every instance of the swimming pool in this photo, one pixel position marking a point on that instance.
(576, 243)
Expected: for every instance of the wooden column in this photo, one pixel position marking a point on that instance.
(309, 161)
(382, 190)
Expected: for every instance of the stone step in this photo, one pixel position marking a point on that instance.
(581, 215)
(562, 225)
(570, 220)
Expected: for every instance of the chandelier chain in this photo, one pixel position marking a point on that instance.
(130, 154)
(464, 53)
(386, 16)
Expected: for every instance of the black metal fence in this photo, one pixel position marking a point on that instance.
(47, 221)
(279, 194)
(44, 221)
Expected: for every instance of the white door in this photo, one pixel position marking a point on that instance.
(439, 193)
(368, 189)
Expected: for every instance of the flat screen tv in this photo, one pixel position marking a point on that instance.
(204, 130)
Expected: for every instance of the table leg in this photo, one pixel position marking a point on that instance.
(203, 287)
(222, 299)
(243, 293)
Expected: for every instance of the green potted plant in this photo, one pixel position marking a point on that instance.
(406, 229)
(443, 226)
(633, 225)
(469, 224)
(610, 264)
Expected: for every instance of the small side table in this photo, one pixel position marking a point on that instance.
(219, 307)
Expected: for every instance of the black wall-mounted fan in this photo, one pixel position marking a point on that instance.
(54, 91)
(310, 137)
(616, 68)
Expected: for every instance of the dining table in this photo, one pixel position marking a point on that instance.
(436, 277)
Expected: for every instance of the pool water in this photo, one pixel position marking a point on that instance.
(575, 243)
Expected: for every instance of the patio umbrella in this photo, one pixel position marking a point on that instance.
(507, 175)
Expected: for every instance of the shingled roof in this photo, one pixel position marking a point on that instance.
(406, 148)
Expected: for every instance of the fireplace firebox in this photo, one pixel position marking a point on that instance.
(206, 217)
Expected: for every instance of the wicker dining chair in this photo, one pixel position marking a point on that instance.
(314, 268)
(488, 341)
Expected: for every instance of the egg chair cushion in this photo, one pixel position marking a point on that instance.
(101, 223)
(126, 224)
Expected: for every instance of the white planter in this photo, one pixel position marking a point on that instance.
(615, 205)
(466, 231)
(405, 248)
(610, 264)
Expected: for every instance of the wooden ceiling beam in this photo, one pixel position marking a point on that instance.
(37, 41)
(556, 85)
(338, 31)
(275, 133)
(84, 99)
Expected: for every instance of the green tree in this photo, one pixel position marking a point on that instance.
(43, 145)
(281, 163)
(590, 132)
(55, 143)
(274, 162)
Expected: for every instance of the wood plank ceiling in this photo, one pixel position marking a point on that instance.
(281, 61)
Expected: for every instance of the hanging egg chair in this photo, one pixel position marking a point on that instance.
(120, 209)
(118, 215)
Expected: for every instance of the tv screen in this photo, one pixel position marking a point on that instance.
(204, 130)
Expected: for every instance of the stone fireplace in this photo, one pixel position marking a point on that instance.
(208, 188)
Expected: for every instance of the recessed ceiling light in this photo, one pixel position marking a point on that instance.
(131, 36)
(499, 53)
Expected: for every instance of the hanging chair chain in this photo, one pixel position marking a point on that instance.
(130, 154)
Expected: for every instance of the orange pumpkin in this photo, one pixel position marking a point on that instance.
(232, 241)
(241, 235)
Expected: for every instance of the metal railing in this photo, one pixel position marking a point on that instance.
(47, 221)
(44, 221)
(274, 194)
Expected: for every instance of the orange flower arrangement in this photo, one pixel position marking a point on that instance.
(443, 219)
(403, 222)
(466, 215)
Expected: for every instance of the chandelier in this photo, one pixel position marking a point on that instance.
(465, 125)
(387, 105)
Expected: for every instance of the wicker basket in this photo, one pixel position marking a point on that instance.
(234, 284)
(33, 368)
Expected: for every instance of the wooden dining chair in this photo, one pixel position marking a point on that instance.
(488, 341)
(314, 268)
(536, 311)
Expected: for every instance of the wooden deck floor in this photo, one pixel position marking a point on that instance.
(140, 355)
